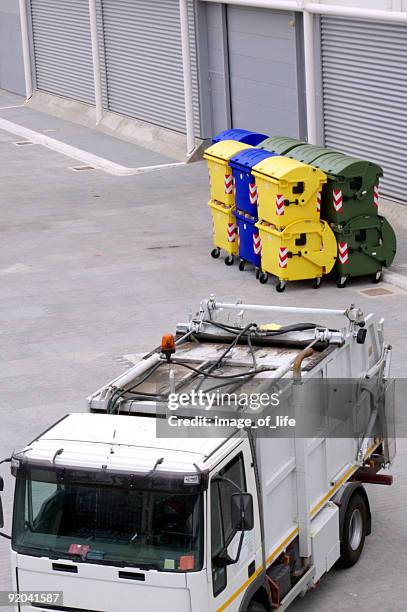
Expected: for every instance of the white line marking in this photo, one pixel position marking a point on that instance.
(15, 106)
(84, 156)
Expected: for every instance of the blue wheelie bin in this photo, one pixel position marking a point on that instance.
(249, 241)
(245, 136)
(244, 182)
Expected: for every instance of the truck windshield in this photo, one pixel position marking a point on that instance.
(106, 524)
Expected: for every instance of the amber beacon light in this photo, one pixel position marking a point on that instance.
(168, 346)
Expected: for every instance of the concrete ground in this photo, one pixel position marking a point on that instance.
(94, 267)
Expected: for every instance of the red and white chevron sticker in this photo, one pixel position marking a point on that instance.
(253, 194)
(228, 181)
(283, 257)
(232, 232)
(319, 201)
(376, 196)
(343, 253)
(279, 205)
(337, 200)
(256, 244)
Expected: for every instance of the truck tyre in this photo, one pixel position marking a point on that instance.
(354, 530)
(254, 606)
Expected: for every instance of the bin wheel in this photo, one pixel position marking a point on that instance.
(280, 286)
(229, 260)
(258, 273)
(317, 282)
(377, 277)
(215, 253)
(242, 264)
(341, 282)
(263, 277)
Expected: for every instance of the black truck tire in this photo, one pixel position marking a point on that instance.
(354, 530)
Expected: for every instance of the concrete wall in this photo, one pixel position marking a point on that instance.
(11, 54)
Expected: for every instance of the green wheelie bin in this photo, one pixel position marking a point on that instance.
(352, 188)
(280, 145)
(307, 153)
(366, 244)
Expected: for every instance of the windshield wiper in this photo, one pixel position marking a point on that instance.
(121, 563)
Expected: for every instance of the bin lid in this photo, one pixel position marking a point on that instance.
(278, 167)
(246, 159)
(252, 138)
(225, 149)
(308, 153)
(280, 144)
(344, 166)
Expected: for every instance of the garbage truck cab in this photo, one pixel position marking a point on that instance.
(167, 528)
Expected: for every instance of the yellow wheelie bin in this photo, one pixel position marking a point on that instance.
(224, 231)
(305, 249)
(220, 173)
(288, 190)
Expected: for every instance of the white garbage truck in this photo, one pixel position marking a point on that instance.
(166, 495)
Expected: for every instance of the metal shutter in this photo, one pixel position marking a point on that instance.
(144, 61)
(62, 48)
(364, 75)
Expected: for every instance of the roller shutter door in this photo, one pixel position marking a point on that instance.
(263, 70)
(364, 76)
(143, 59)
(62, 48)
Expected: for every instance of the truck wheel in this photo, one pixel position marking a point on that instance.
(256, 607)
(354, 531)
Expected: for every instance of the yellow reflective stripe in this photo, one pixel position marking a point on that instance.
(242, 588)
(283, 544)
(295, 531)
(340, 482)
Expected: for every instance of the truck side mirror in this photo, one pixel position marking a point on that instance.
(242, 513)
(1, 504)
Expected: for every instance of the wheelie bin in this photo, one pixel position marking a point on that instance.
(244, 182)
(280, 145)
(305, 249)
(224, 231)
(287, 190)
(245, 136)
(220, 173)
(366, 244)
(308, 153)
(249, 241)
(352, 188)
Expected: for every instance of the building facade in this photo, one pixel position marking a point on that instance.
(247, 66)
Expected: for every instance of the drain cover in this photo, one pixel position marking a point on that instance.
(80, 168)
(23, 143)
(376, 291)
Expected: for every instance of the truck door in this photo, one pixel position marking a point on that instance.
(228, 584)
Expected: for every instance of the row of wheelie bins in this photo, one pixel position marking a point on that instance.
(296, 211)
